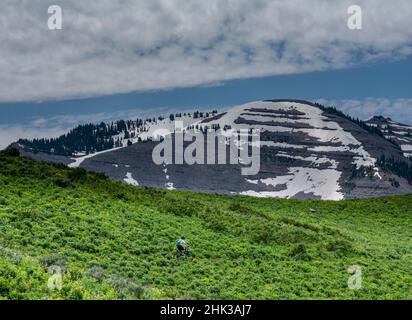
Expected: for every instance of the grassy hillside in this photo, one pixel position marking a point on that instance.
(114, 241)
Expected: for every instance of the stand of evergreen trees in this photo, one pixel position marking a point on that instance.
(86, 138)
(397, 166)
(90, 138)
(360, 123)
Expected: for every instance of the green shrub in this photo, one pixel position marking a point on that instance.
(77, 174)
(11, 152)
(126, 288)
(52, 260)
(3, 201)
(62, 183)
(97, 273)
(300, 252)
(180, 208)
(343, 247)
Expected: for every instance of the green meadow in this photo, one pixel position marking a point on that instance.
(113, 241)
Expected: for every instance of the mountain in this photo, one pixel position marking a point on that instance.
(109, 240)
(306, 151)
(400, 134)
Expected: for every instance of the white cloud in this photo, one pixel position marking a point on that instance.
(109, 47)
(398, 109)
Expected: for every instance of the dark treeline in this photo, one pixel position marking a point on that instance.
(397, 166)
(90, 138)
(86, 138)
(360, 123)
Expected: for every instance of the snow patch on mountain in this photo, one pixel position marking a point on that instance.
(295, 117)
(78, 161)
(321, 183)
(406, 147)
(313, 160)
(161, 128)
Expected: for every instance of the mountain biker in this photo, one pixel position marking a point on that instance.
(180, 244)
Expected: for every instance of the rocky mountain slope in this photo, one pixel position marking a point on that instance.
(399, 133)
(306, 151)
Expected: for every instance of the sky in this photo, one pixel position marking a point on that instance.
(135, 58)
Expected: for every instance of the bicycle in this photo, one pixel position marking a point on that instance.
(184, 253)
